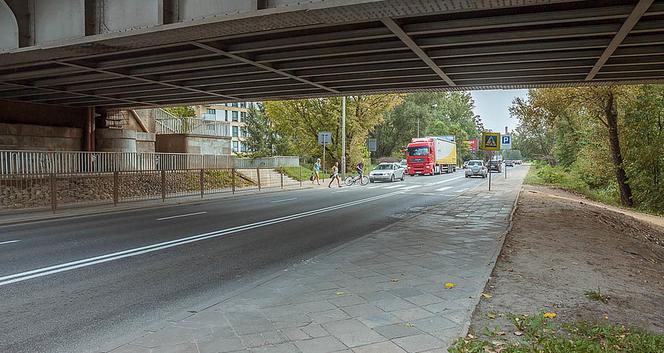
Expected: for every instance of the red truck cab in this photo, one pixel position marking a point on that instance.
(420, 156)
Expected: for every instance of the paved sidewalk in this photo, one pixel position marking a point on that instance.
(382, 293)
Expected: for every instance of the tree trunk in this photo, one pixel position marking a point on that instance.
(614, 142)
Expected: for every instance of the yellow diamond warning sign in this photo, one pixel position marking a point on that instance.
(491, 141)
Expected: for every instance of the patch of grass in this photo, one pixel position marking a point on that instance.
(597, 296)
(558, 177)
(537, 334)
(298, 173)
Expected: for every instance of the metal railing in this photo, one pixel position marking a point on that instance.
(57, 190)
(33, 179)
(41, 162)
(194, 126)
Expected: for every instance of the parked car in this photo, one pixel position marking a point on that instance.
(387, 172)
(476, 167)
(509, 163)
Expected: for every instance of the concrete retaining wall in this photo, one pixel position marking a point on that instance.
(145, 142)
(116, 140)
(196, 144)
(42, 138)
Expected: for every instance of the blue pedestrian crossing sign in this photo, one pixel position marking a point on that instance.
(506, 142)
(491, 141)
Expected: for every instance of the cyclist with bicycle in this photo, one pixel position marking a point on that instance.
(361, 178)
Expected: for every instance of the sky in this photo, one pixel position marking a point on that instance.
(492, 106)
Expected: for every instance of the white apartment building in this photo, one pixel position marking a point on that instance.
(233, 113)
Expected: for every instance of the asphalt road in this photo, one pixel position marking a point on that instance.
(91, 283)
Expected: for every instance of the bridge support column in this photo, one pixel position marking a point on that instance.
(89, 130)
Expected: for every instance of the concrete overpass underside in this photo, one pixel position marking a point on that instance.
(327, 48)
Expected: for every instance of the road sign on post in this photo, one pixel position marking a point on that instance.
(491, 141)
(324, 138)
(372, 144)
(506, 142)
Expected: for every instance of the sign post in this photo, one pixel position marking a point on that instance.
(506, 145)
(343, 138)
(324, 139)
(490, 143)
(372, 145)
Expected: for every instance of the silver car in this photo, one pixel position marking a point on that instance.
(387, 172)
(476, 167)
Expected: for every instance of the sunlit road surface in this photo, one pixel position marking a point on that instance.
(82, 284)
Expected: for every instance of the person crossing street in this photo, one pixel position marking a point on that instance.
(335, 175)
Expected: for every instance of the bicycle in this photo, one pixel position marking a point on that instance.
(352, 180)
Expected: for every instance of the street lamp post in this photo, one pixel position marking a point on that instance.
(343, 137)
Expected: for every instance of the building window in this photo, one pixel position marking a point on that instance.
(212, 111)
(235, 115)
(235, 149)
(243, 116)
(243, 105)
(235, 131)
(244, 132)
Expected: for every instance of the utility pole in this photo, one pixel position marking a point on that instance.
(343, 137)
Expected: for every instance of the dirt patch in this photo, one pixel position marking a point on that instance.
(560, 247)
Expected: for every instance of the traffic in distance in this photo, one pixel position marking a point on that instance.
(426, 156)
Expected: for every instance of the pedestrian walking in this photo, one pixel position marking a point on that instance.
(316, 176)
(335, 175)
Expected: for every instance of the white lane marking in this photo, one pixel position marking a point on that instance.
(410, 187)
(284, 200)
(9, 242)
(180, 216)
(69, 266)
(445, 181)
(444, 188)
(394, 186)
(462, 190)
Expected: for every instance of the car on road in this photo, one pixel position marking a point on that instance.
(476, 167)
(387, 172)
(495, 164)
(404, 165)
(509, 163)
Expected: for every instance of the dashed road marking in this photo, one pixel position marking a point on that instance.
(9, 242)
(180, 216)
(284, 200)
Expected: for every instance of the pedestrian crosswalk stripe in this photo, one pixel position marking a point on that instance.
(411, 187)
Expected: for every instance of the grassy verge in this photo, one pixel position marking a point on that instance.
(559, 177)
(541, 333)
(298, 173)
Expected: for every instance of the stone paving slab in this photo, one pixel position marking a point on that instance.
(384, 292)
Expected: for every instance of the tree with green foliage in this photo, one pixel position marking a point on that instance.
(181, 111)
(605, 137)
(298, 122)
(444, 113)
(262, 138)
